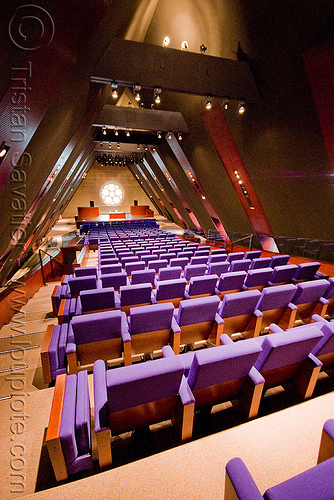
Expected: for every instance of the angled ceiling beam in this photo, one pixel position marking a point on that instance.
(129, 63)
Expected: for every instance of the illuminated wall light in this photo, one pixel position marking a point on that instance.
(118, 145)
(110, 145)
(226, 102)
(169, 136)
(179, 136)
(136, 92)
(138, 147)
(104, 131)
(116, 131)
(184, 45)
(208, 102)
(127, 133)
(114, 92)
(203, 49)
(159, 134)
(241, 106)
(166, 41)
(203, 197)
(157, 92)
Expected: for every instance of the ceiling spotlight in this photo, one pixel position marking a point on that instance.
(166, 41)
(203, 48)
(104, 131)
(159, 134)
(116, 131)
(241, 106)
(118, 145)
(114, 92)
(127, 133)
(226, 102)
(136, 92)
(184, 45)
(138, 147)
(169, 136)
(179, 136)
(208, 102)
(157, 92)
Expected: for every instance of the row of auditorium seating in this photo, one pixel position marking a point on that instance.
(174, 387)
(88, 322)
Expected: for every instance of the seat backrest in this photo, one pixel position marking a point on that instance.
(260, 263)
(287, 348)
(109, 261)
(199, 285)
(231, 281)
(169, 273)
(96, 326)
(170, 289)
(179, 262)
(115, 280)
(329, 292)
(151, 318)
(134, 266)
(93, 300)
(309, 291)
(110, 268)
(276, 297)
(143, 276)
(194, 270)
(218, 267)
(199, 259)
(283, 274)
(217, 257)
(135, 294)
(199, 310)
(253, 254)
(306, 271)
(157, 264)
(85, 271)
(240, 265)
(258, 277)
(222, 364)
(235, 256)
(81, 283)
(279, 260)
(238, 303)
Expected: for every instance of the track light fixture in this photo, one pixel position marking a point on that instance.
(159, 134)
(169, 136)
(241, 106)
(208, 102)
(157, 92)
(114, 92)
(166, 41)
(226, 102)
(184, 45)
(136, 92)
(179, 136)
(203, 48)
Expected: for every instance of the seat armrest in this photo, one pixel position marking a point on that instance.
(273, 328)
(256, 376)
(323, 301)
(175, 327)
(292, 306)
(154, 297)
(326, 449)
(185, 393)
(71, 347)
(317, 317)
(239, 483)
(100, 396)
(117, 300)
(225, 339)
(186, 295)
(126, 337)
(258, 313)
(219, 320)
(167, 351)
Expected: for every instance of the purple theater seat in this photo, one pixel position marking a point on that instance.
(144, 276)
(134, 266)
(128, 260)
(102, 299)
(218, 267)
(108, 262)
(103, 335)
(282, 274)
(192, 270)
(217, 257)
(240, 265)
(275, 304)
(114, 280)
(257, 278)
(309, 299)
(198, 322)
(169, 273)
(230, 282)
(315, 483)
(239, 313)
(286, 358)
(198, 259)
(155, 391)
(306, 271)
(235, 256)
(134, 295)
(260, 263)
(110, 268)
(169, 291)
(253, 254)
(329, 295)
(201, 286)
(85, 271)
(279, 260)
(157, 264)
(68, 437)
(179, 262)
(151, 327)
(75, 285)
(222, 373)
(53, 352)
(148, 258)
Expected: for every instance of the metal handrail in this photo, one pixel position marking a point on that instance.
(250, 236)
(51, 259)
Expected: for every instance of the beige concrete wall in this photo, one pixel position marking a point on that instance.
(96, 178)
